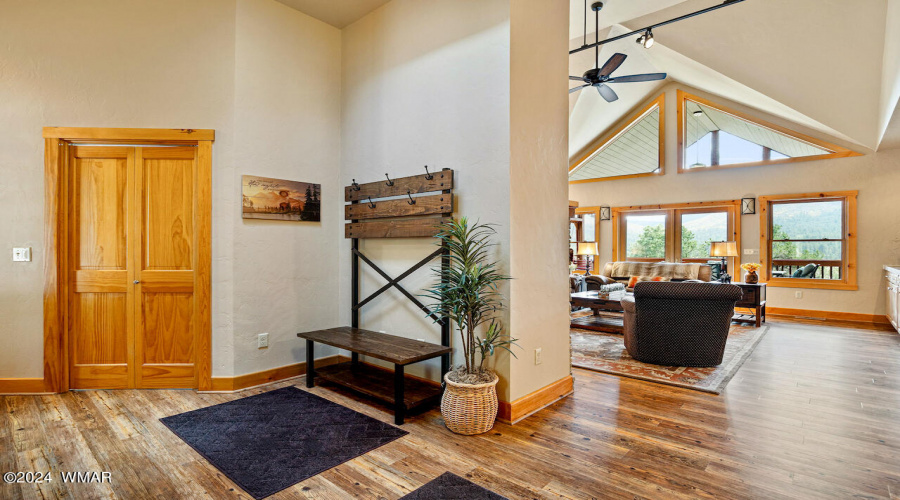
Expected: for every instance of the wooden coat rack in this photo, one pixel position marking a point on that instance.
(408, 207)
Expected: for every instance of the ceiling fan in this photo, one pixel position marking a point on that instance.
(599, 77)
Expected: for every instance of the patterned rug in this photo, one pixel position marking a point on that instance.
(605, 352)
(268, 442)
(449, 486)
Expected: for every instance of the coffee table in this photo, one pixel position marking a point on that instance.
(596, 302)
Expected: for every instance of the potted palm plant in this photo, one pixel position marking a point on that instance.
(467, 294)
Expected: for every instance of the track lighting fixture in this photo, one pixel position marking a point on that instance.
(646, 35)
(646, 39)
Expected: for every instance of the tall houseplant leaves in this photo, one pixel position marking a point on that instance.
(467, 290)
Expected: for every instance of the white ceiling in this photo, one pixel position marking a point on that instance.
(338, 13)
(613, 12)
(635, 151)
(818, 63)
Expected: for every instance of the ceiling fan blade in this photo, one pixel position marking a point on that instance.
(612, 64)
(576, 89)
(577, 78)
(608, 93)
(648, 77)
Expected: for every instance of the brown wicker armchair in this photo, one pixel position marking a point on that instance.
(679, 324)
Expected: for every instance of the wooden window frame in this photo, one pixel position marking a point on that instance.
(596, 212)
(672, 210)
(835, 150)
(57, 142)
(848, 279)
(624, 126)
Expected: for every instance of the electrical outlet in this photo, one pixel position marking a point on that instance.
(262, 340)
(22, 254)
(798, 295)
(537, 356)
(750, 251)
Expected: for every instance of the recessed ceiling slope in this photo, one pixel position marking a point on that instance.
(338, 13)
(822, 58)
(891, 139)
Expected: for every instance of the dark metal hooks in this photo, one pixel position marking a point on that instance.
(371, 203)
(355, 185)
(389, 182)
(411, 200)
(428, 175)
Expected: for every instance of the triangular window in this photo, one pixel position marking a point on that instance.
(714, 136)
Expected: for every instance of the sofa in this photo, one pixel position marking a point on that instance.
(679, 324)
(626, 272)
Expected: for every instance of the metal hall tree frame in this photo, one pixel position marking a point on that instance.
(389, 209)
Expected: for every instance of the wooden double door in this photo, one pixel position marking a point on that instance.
(133, 264)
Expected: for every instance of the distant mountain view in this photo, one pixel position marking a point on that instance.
(813, 220)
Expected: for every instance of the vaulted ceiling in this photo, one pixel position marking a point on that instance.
(830, 65)
(338, 13)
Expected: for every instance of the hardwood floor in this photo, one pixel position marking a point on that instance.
(814, 413)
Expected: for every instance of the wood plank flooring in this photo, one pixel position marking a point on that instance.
(814, 413)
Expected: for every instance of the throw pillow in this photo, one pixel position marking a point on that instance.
(636, 279)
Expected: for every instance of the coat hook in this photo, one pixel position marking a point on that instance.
(355, 185)
(428, 175)
(411, 200)
(371, 203)
(389, 182)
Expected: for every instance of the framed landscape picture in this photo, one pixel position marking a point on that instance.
(278, 199)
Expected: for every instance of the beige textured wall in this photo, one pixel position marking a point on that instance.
(426, 83)
(174, 64)
(538, 193)
(415, 95)
(875, 175)
(287, 126)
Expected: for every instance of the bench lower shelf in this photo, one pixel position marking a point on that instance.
(378, 383)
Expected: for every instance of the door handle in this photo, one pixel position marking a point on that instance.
(137, 281)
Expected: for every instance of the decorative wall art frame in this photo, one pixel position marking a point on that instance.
(279, 199)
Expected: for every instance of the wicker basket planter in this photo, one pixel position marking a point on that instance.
(469, 409)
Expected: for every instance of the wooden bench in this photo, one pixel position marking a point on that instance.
(370, 380)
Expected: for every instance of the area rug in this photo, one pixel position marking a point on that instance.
(449, 486)
(605, 352)
(268, 442)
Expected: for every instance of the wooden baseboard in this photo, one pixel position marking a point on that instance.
(517, 410)
(843, 316)
(9, 386)
(256, 379)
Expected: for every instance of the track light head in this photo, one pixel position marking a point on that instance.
(698, 113)
(646, 39)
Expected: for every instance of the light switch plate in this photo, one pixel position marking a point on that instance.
(749, 251)
(22, 254)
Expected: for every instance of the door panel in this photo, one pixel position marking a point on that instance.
(164, 315)
(99, 317)
(167, 328)
(100, 187)
(168, 205)
(101, 331)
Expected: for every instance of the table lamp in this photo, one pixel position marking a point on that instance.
(723, 249)
(588, 248)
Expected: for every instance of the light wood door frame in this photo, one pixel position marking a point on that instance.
(57, 144)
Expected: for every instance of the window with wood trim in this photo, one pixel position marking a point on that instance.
(809, 240)
(679, 232)
(712, 136)
(635, 148)
(584, 227)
